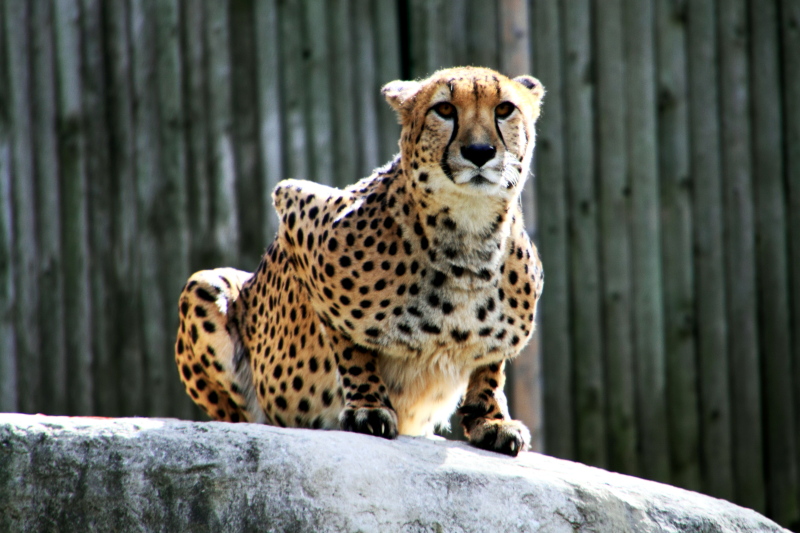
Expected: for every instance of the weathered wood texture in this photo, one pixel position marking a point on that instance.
(645, 226)
(772, 263)
(790, 68)
(524, 377)
(24, 249)
(673, 128)
(95, 102)
(711, 326)
(589, 384)
(614, 231)
(140, 140)
(8, 335)
(740, 254)
(549, 176)
(48, 216)
(676, 244)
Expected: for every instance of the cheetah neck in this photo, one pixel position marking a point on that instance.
(467, 233)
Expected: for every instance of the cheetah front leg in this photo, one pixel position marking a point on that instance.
(367, 406)
(484, 413)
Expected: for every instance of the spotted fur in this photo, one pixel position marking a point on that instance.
(383, 307)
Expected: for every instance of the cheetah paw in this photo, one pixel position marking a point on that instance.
(503, 436)
(378, 421)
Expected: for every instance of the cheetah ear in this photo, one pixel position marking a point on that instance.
(533, 85)
(398, 92)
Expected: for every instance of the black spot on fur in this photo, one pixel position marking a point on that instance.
(460, 336)
(430, 328)
(204, 295)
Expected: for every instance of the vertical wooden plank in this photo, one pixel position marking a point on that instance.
(524, 373)
(740, 254)
(174, 235)
(712, 345)
(431, 36)
(551, 196)
(364, 83)
(315, 69)
(418, 14)
(48, 219)
(676, 242)
(127, 342)
(74, 189)
(269, 108)
(514, 61)
(647, 300)
(17, 19)
(771, 251)
(514, 37)
(482, 36)
(457, 20)
(590, 393)
(245, 130)
(8, 336)
(197, 131)
(790, 41)
(106, 400)
(225, 225)
(386, 35)
(295, 154)
(148, 178)
(345, 133)
(614, 237)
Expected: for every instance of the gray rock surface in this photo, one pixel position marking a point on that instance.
(138, 474)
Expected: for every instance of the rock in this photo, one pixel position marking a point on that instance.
(139, 474)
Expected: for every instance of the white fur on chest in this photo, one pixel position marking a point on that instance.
(424, 391)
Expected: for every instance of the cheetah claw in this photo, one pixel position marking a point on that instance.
(506, 437)
(378, 421)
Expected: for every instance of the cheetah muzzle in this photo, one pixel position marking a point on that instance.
(384, 307)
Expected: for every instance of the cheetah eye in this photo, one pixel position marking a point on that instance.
(504, 109)
(445, 109)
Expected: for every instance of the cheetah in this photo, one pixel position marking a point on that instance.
(387, 306)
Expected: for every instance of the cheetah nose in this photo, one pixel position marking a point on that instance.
(478, 153)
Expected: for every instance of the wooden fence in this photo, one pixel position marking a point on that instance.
(140, 140)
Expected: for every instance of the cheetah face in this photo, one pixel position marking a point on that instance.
(468, 130)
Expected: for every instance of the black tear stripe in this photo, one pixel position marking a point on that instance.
(496, 122)
(475, 91)
(445, 166)
(499, 133)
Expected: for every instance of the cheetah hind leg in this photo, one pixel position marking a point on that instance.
(208, 353)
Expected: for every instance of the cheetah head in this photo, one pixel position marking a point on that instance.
(467, 132)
